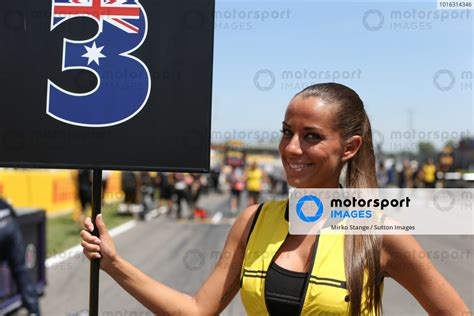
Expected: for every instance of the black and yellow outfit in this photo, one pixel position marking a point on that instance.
(324, 291)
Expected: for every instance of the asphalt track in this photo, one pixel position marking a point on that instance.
(181, 254)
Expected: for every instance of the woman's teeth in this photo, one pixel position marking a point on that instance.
(299, 166)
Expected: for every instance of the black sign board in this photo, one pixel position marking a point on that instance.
(106, 84)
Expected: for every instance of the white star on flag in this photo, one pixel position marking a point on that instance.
(93, 54)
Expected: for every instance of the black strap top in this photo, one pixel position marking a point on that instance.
(283, 290)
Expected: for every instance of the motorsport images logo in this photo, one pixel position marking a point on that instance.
(380, 211)
(340, 212)
(310, 208)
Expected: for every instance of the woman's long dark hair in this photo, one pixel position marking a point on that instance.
(361, 252)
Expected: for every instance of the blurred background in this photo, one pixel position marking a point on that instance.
(412, 66)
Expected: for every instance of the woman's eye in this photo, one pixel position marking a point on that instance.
(313, 137)
(286, 132)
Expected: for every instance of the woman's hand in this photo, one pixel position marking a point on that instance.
(98, 248)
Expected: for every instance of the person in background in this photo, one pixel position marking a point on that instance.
(408, 173)
(147, 194)
(165, 183)
(391, 173)
(284, 184)
(130, 189)
(254, 177)
(105, 177)
(182, 189)
(214, 177)
(84, 184)
(405, 175)
(272, 180)
(417, 175)
(382, 175)
(236, 180)
(12, 250)
(429, 174)
(196, 189)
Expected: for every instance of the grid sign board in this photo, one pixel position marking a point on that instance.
(106, 84)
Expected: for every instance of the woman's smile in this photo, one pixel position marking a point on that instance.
(298, 167)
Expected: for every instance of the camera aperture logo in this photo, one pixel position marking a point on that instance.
(193, 260)
(311, 203)
(447, 80)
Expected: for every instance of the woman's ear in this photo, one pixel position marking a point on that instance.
(351, 148)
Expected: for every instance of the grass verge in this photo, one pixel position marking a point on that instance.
(62, 232)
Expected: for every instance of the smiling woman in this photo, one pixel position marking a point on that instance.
(325, 129)
(332, 127)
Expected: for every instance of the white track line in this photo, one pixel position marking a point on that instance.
(74, 251)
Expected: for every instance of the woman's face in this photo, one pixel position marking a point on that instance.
(311, 150)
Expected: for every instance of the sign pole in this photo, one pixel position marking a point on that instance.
(95, 263)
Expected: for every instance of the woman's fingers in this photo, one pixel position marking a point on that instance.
(90, 247)
(88, 237)
(99, 221)
(91, 255)
(88, 224)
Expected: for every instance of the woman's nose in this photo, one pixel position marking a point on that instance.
(294, 146)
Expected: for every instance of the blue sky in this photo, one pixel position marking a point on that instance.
(389, 52)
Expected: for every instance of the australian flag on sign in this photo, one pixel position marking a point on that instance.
(119, 13)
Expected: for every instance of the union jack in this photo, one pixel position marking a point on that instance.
(115, 12)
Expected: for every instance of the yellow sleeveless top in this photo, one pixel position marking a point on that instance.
(325, 291)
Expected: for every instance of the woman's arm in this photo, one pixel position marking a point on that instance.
(213, 296)
(406, 262)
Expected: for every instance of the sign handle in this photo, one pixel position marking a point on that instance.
(95, 263)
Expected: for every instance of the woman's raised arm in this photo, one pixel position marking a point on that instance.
(214, 295)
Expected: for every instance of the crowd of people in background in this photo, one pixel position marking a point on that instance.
(251, 180)
(171, 193)
(408, 174)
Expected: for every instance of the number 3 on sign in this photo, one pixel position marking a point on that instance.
(123, 81)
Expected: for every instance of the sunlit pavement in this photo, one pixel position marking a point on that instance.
(182, 253)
